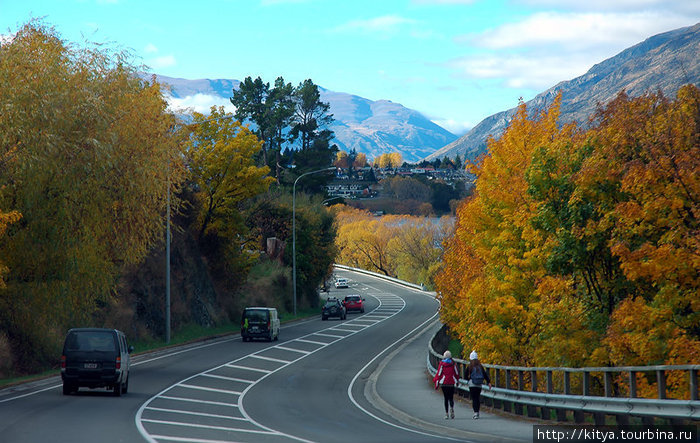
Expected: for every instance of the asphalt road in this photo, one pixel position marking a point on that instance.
(308, 386)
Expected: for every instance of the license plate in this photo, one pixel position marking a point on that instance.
(90, 365)
(254, 329)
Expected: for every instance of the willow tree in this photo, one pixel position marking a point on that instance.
(87, 153)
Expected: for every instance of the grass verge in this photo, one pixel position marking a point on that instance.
(187, 334)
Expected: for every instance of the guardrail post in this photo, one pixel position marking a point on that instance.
(518, 407)
(693, 373)
(506, 404)
(497, 382)
(661, 383)
(586, 383)
(633, 384)
(567, 382)
(608, 384)
(531, 409)
(546, 412)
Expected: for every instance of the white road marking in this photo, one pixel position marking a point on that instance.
(198, 414)
(140, 420)
(193, 400)
(276, 360)
(264, 371)
(284, 348)
(223, 377)
(205, 388)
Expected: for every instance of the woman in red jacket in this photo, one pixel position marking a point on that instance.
(447, 377)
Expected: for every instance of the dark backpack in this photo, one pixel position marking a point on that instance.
(477, 375)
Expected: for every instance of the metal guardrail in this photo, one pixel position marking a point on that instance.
(559, 387)
(382, 276)
(516, 388)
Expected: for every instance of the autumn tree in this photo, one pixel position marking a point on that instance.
(389, 160)
(220, 155)
(581, 247)
(88, 152)
(400, 246)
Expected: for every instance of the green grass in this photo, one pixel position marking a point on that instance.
(17, 380)
(187, 334)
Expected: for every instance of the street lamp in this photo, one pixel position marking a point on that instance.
(294, 231)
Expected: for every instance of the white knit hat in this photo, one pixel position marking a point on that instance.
(447, 354)
(473, 356)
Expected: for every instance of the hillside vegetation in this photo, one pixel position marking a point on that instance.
(90, 159)
(582, 247)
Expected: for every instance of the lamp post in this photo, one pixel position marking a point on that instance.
(294, 231)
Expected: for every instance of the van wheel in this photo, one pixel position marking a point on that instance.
(125, 386)
(277, 337)
(117, 390)
(68, 388)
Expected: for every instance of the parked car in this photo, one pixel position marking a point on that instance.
(260, 322)
(341, 283)
(95, 358)
(333, 308)
(354, 303)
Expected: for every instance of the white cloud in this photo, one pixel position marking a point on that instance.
(201, 103)
(383, 24)
(678, 6)
(165, 61)
(456, 127)
(523, 71)
(576, 31)
(548, 47)
(6, 38)
(443, 2)
(150, 49)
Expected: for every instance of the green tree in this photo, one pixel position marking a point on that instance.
(250, 100)
(311, 116)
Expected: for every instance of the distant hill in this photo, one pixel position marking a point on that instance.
(371, 127)
(663, 62)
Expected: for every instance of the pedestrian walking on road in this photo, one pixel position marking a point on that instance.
(447, 377)
(476, 374)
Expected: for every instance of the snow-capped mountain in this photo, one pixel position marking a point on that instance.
(371, 127)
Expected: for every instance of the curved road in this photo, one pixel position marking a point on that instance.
(308, 386)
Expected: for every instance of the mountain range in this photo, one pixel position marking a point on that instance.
(371, 127)
(663, 62)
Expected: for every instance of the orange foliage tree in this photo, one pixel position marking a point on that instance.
(581, 247)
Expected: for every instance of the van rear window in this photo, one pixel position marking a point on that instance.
(256, 315)
(91, 341)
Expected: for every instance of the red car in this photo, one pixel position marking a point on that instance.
(354, 303)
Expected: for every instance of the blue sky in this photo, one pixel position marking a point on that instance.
(456, 61)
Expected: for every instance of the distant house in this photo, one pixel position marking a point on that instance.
(347, 189)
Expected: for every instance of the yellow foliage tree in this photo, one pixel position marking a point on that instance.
(220, 154)
(86, 145)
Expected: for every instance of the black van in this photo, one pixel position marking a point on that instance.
(95, 358)
(260, 322)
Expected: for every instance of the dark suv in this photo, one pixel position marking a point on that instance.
(95, 358)
(333, 308)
